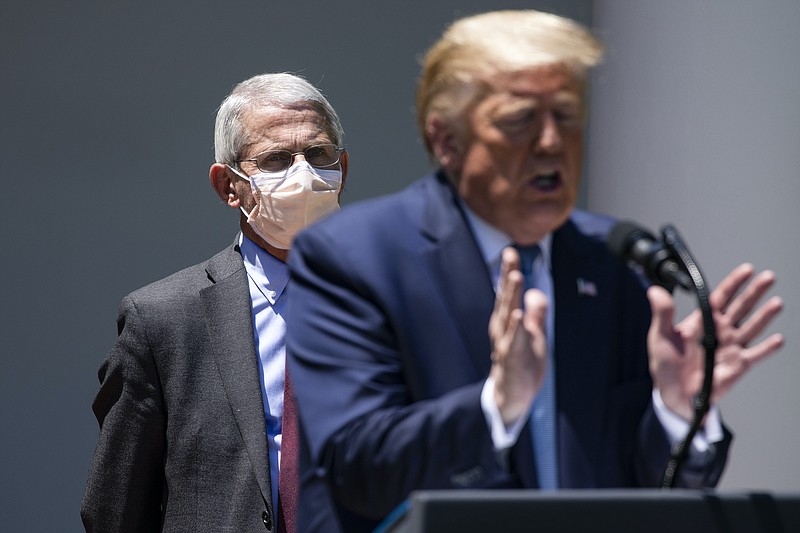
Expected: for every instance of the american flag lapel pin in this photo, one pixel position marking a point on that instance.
(586, 288)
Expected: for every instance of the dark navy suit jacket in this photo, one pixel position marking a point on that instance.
(389, 351)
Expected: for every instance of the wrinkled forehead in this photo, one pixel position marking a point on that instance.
(552, 80)
(285, 127)
(534, 88)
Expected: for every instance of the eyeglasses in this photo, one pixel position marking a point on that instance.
(319, 156)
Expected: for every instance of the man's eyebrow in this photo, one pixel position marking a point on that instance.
(274, 146)
(567, 98)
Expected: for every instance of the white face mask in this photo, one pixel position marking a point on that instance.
(290, 200)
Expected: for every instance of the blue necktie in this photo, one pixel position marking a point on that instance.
(542, 418)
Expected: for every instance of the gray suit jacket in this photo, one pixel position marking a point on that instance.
(182, 443)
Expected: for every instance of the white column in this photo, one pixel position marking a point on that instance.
(695, 120)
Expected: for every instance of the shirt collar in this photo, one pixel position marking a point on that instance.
(269, 273)
(491, 240)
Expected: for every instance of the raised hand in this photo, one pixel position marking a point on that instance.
(676, 353)
(519, 347)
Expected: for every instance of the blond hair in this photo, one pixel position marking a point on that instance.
(456, 69)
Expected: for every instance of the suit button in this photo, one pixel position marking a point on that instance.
(267, 520)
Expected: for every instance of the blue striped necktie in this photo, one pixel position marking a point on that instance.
(542, 418)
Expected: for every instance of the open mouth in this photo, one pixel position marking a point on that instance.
(547, 182)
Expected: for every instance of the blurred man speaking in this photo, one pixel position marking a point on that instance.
(417, 364)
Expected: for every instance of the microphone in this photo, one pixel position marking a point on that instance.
(630, 242)
(668, 263)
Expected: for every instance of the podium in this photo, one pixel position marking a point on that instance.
(595, 511)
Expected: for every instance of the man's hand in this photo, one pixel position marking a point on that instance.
(677, 355)
(519, 347)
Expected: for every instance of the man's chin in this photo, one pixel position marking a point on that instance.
(545, 219)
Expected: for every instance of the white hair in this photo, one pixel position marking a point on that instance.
(266, 90)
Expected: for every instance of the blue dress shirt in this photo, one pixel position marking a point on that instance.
(268, 278)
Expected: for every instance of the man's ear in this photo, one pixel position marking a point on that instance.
(444, 144)
(343, 165)
(221, 181)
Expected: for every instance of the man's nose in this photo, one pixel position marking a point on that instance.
(550, 136)
(301, 156)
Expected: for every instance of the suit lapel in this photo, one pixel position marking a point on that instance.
(230, 328)
(466, 284)
(461, 272)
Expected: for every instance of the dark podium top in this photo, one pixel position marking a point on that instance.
(595, 511)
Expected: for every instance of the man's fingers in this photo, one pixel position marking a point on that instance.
(748, 299)
(535, 311)
(663, 308)
(728, 287)
(509, 293)
(760, 320)
(760, 351)
(729, 370)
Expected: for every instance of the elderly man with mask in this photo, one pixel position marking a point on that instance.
(417, 364)
(191, 402)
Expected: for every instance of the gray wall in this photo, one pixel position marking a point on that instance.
(106, 138)
(696, 122)
(106, 127)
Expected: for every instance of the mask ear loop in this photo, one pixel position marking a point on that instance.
(256, 194)
(249, 215)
